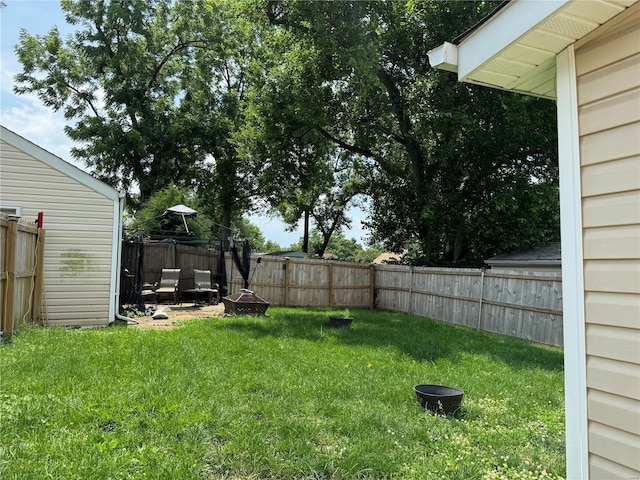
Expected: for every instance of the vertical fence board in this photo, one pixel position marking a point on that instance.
(8, 323)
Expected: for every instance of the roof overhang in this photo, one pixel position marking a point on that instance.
(515, 48)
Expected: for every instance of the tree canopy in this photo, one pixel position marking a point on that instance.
(304, 108)
(154, 90)
(454, 172)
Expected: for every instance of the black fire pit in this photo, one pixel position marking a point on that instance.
(438, 398)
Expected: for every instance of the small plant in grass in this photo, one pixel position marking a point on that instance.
(342, 320)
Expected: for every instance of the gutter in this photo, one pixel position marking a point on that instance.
(445, 57)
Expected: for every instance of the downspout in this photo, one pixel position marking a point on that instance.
(116, 296)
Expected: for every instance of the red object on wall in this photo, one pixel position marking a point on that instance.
(40, 219)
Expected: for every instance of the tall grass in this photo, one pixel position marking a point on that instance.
(281, 397)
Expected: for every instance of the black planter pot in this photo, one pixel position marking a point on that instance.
(439, 399)
(340, 322)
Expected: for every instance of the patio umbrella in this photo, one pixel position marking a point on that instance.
(183, 211)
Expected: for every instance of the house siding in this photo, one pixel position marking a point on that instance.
(79, 226)
(608, 86)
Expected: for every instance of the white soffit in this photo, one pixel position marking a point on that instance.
(516, 48)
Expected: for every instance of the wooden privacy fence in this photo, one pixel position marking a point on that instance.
(280, 281)
(21, 275)
(525, 305)
(295, 282)
(185, 257)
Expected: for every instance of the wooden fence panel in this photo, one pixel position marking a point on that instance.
(24, 268)
(189, 258)
(299, 282)
(525, 305)
(267, 278)
(156, 257)
(19, 273)
(309, 283)
(351, 285)
(451, 295)
(393, 288)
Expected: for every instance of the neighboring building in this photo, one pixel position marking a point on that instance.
(539, 258)
(82, 221)
(586, 55)
(388, 258)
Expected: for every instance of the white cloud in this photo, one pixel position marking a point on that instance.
(39, 125)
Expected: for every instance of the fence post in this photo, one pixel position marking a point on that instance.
(38, 281)
(410, 289)
(286, 281)
(331, 302)
(372, 286)
(10, 269)
(481, 296)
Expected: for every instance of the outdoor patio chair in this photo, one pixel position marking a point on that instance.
(203, 287)
(168, 285)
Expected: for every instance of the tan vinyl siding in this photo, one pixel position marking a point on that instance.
(79, 240)
(608, 70)
(598, 179)
(602, 373)
(613, 209)
(616, 411)
(603, 469)
(615, 309)
(613, 242)
(596, 148)
(616, 445)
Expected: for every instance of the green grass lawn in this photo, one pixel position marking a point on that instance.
(281, 397)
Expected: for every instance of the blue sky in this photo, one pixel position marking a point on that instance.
(28, 117)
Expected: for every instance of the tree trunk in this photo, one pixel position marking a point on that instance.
(305, 238)
(226, 226)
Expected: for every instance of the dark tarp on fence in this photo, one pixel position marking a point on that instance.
(142, 263)
(243, 264)
(132, 272)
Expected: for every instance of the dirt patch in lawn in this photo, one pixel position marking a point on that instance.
(176, 315)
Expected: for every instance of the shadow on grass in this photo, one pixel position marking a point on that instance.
(418, 337)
